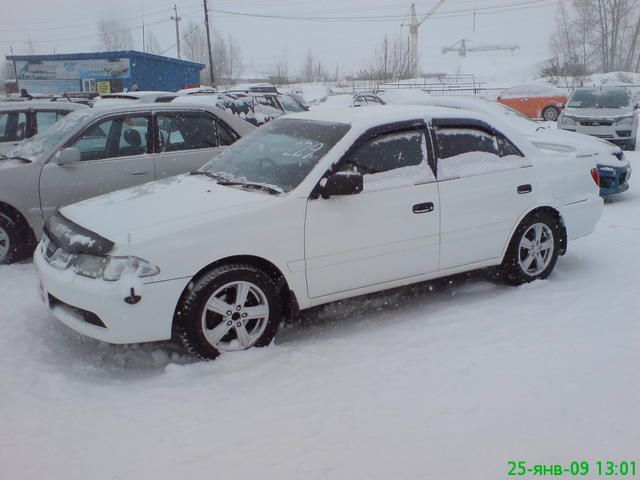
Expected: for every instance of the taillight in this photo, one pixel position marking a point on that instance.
(595, 174)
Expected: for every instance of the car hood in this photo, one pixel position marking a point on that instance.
(165, 206)
(601, 113)
(12, 163)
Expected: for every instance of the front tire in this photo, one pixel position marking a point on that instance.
(14, 241)
(233, 307)
(533, 250)
(550, 114)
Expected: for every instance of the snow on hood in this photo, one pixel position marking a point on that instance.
(159, 207)
(12, 162)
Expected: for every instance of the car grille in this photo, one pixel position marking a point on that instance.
(595, 123)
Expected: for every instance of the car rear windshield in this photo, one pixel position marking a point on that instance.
(281, 153)
(600, 99)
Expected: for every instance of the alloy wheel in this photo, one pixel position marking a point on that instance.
(536, 249)
(235, 316)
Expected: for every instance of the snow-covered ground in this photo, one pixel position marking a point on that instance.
(446, 380)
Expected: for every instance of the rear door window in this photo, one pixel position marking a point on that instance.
(186, 131)
(470, 151)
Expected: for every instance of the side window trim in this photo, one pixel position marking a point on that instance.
(97, 122)
(168, 113)
(472, 125)
(371, 134)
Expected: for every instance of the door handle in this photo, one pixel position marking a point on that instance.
(139, 173)
(524, 189)
(423, 207)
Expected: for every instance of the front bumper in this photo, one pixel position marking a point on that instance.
(97, 309)
(623, 136)
(613, 179)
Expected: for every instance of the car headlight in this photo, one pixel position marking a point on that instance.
(568, 121)
(624, 122)
(111, 269)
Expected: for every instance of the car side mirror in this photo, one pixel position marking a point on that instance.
(343, 183)
(68, 156)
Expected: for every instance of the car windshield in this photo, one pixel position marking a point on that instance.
(600, 99)
(290, 104)
(281, 153)
(52, 136)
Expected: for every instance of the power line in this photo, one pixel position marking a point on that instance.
(444, 14)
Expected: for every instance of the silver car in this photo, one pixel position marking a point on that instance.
(22, 120)
(95, 151)
(610, 113)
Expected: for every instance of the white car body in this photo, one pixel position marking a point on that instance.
(325, 249)
(555, 141)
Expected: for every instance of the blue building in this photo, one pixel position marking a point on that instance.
(103, 72)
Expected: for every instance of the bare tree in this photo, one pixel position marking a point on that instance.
(114, 35)
(391, 60)
(597, 35)
(280, 70)
(151, 43)
(308, 68)
(227, 60)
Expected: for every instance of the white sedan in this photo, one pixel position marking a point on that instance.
(310, 209)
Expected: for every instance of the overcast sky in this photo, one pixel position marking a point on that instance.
(69, 26)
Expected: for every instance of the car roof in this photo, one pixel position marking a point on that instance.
(41, 105)
(240, 126)
(367, 117)
(138, 94)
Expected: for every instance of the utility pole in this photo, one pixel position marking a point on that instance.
(144, 45)
(206, 24)
(177, 19)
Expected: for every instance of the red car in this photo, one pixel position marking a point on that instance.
(535, 101)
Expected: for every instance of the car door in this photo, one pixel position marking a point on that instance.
(388, 232)
(485, 185)
(115, 153)
(187, 140)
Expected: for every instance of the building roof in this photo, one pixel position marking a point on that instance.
(133, 54)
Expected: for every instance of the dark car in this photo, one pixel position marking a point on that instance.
(254, 107)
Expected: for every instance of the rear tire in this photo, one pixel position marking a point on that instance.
(533, 250)
(15, 241)
(550, 114)
(232, 307)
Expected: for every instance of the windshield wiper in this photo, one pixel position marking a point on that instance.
(221, 180)
(272, 189)
(215, 176)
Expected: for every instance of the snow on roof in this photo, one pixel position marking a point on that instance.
(378, 115)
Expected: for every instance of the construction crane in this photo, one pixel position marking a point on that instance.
(462, 49)
(414, 25)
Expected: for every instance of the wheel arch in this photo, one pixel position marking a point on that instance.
(290, 306)
(17, 217)
(554, 212)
